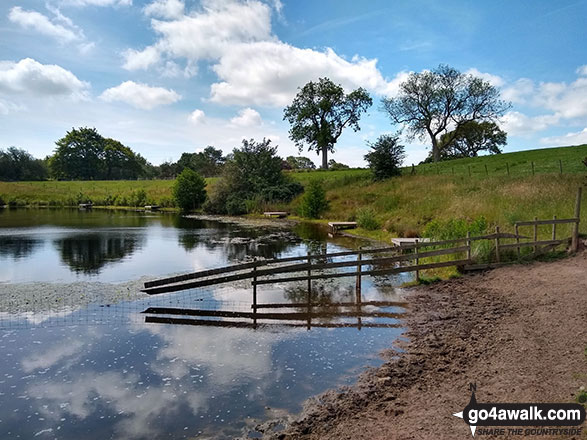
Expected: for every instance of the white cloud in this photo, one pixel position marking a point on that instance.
(494, 80)
(31, 77)
(253, 66)
(140, 60)
(41, 23)
(247, 117)
(269, 73)
(518, 124)
(519, 92)
(140, 95)
(97, 2)
(582, 71)
(168, 9)
(573, 138)
(197, 116)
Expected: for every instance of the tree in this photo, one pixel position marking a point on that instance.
(189, 190)
(252, 174)
(337, 166)
(385, 157)
(207, 163)
(319, 113)
(84, 154)
(473, 138)
(300, 163)
(431, 103)
(17, 164)
(314, 201)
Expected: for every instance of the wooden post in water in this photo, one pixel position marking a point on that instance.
(255, 295)
(575, 239)
(417, 260)
(518, 240)
(358, 282)
(309, 292)
(535, 233)
(497, 244)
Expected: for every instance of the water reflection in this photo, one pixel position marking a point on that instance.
(88, 253)
(18, 247)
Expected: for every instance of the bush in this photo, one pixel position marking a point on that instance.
(314, 201)
(2, 202)
(138, 198)
(385, 157)
(189, 190)
(366, 219)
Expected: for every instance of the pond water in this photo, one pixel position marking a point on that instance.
(80, 360)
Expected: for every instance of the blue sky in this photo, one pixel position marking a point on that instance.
(168, 76)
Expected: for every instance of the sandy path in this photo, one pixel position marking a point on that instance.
(519, 332)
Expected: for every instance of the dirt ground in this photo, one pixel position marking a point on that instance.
(519, 333)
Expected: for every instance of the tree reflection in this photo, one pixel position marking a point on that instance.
(17, 247)
(89, 253)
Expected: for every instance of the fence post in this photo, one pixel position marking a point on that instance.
(507, 164)
(309, 281)
(535, 234)
(497, 244)
(554, 228)
(417, 260)
(358, 282)
(486, 172)
(518, 240)
(575, 239)
(533, 168)
(469, 246)
(560, 164)
(255, 294)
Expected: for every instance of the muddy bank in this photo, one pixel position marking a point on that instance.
(519, 333)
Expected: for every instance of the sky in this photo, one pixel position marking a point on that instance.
(172, 76)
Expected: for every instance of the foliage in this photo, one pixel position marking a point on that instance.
(252, 172)
(83, 154)
(430, 102)
(189, 190)
(385, 157)
(138, 198)
(2, 201)
(300, 163)
(17, 164)
(207, 163)
(336, 166)
(366, 219)
(452, 229)
(473, 138)
(314, 201)
(319, 113)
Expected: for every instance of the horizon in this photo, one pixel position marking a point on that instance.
(166, 77)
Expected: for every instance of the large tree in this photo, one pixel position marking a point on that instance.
(473, 138)
(319, 113)
(18, 164)
(442, 101)
(207, 163)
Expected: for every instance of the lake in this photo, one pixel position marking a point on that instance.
(80, 359)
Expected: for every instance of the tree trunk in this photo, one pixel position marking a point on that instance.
(435, 149)
(325, 157)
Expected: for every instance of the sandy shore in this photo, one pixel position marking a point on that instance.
(519, 333)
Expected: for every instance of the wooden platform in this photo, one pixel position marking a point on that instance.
(152, 207)
(337, 226)
(276, 214)
(406, 241)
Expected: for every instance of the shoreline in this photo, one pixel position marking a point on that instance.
(505, 330)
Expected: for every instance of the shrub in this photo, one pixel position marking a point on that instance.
(189, 190)
(366, 219)
(138, 198)
(385, 157)
(314, 201)
(2, 202)
(235, 206)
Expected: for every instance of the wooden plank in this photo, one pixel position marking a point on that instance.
(195, 284)
(370, 272)
(531, 244)
(548, 222)
(288, 316)
(343, 304)
(216, 323)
